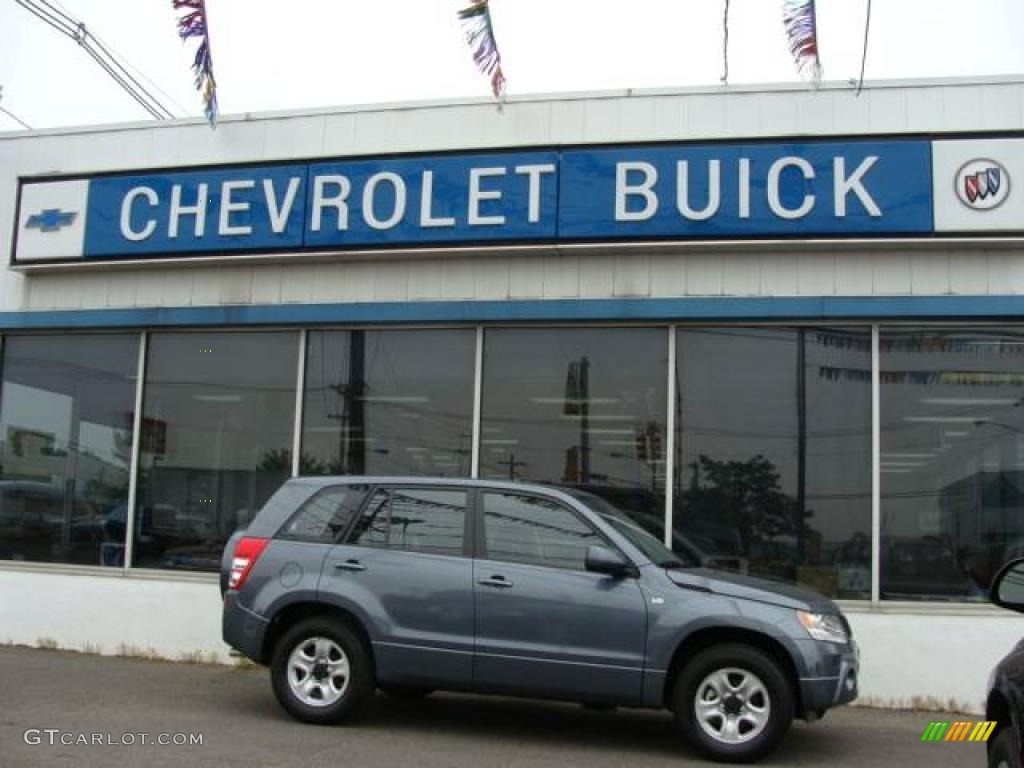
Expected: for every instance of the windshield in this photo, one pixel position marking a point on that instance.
(653, 549)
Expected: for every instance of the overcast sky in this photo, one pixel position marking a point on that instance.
(293, 54)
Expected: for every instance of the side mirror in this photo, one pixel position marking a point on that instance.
(603, 560)
(1008, 586)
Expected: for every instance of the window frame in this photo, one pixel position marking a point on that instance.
(468, 524)
(482, 552)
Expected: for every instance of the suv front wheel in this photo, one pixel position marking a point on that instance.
(733, 703)
(321, 671)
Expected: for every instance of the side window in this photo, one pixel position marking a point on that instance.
(535, 531)
(325, 516)
(415, 520)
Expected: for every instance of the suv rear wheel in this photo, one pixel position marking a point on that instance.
(733, 702)
(321, 671)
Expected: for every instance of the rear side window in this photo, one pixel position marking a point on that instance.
(535, 531)
(414, 520)
(325, 516)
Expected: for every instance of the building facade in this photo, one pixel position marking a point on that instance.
(782, 328)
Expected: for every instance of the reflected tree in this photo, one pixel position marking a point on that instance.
(280, 460)
(746, 497)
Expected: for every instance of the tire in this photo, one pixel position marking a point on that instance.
(1003, 752)
(321, 671)
(753, 715)
(405, 692)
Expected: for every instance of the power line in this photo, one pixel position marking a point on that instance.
(864, 54)
(70, 27)
(16, 118)
(11, 115)
(116, 53)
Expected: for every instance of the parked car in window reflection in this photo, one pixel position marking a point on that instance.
(38, 523)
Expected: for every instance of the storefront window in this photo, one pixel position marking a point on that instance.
(773, 461)
(216, 440)
(952, 460)
(388, 403)
(66, 421)
(580, 407)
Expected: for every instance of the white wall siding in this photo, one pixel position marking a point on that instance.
(825, 271)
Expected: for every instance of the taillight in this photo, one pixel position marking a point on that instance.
(247, 551)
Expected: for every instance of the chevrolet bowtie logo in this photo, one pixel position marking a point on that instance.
(50, 220)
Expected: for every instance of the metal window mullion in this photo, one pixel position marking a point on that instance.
(876, 471)
(478, 369)
(300, 385)
(133, 468)
(670, 441)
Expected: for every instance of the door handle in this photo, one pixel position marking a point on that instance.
(495, 581)
(350, 565)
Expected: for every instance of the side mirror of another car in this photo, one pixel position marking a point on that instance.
(603, 560)
(1008, 586)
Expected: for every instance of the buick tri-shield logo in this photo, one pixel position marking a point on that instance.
(982, 184)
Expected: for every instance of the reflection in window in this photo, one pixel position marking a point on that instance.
(66, 431)
(580, 407)
(216, 440)
(526, 529)
(414, 520)
(326, 516)
(773, 467)
(388, 403)
(952, 460)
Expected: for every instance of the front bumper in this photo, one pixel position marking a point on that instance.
(241, 628)
(833, 675)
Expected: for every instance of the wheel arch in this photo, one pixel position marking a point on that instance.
(998, 708)
(293, 613)
(708, 637)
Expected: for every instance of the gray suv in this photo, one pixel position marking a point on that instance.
(343, 585)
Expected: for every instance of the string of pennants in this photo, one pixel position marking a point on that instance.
(925, 378)
(194, 23)
(924, 343)
(799, 20)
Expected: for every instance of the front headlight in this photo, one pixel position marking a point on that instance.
(823, 626)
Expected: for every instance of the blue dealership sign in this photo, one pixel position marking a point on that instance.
(219, 210)
(745, 190)
(704, 191)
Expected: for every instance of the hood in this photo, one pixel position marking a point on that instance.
(751, 588)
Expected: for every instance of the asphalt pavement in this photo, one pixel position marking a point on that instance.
(50, 697)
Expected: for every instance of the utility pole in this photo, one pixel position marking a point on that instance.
(585, 419)
(512, 464)
(352, 431)
(801, 444)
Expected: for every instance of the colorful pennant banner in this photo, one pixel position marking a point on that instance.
(926, 378)
(194, 23)
(800, 18)
(925, 343)
(476, 21)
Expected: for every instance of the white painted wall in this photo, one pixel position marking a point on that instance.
(112, 613)
(931, 656)
(908, 656)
